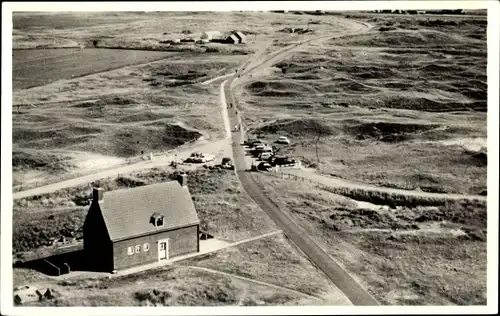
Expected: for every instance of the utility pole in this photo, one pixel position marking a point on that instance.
(317, 141)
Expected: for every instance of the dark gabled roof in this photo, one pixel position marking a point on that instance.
(240, 35)
(127, 212)
(233, 37)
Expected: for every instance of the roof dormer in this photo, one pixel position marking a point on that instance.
(156, 219)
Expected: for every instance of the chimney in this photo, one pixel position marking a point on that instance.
(97, 194)
(182, 178)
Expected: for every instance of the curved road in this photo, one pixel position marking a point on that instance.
(341, 278)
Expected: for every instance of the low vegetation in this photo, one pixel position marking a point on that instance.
(273, 260)
(167, 286)
(100, 129)
(371, 107)
(434, 245)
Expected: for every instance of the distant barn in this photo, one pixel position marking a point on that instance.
(210, 35)
(232, 39)
(241, 37)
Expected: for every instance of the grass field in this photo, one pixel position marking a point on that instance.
(403, 256)
(38, 67)
(400, 108)
(274, 260)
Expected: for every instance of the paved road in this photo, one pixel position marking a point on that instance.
(353, 290)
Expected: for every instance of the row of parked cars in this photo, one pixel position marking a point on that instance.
(268, 154)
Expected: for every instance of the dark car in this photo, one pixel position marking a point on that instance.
(249, 142)
(264, 166)
(256, 143)
(283, 161)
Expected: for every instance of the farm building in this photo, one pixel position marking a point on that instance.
(232, 39)
(241, 37)
(131, 227)
(210, 35)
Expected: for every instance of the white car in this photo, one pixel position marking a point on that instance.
(283, 140)
(198, 157)
(265, 155)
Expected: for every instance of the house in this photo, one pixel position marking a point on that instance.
(25, 294)
(44, 294)
(210, 35)
(232, 39)
(241, 37)
(136, 226)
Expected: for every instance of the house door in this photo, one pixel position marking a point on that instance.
(163, 249)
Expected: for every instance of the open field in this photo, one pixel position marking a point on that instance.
(403, 108)
(403, 256)
(167, 286)
(139, 29)
(225, 211)
(274, 260)
(36, 67)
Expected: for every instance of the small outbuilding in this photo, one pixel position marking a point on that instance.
(232, 39)
(25, 294)
(210, 35)
(242, 39)
(141, 225)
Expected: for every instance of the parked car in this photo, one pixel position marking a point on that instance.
(264, 166)
(283, 161)
(198, 157)
(283, 140)
(261, 149)
(256, 143)
(265, 156)
(249, 142)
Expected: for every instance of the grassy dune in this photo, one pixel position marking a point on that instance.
(434, 255)
(115, 115)
(404, 108)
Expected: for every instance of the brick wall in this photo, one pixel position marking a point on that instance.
(181, 241)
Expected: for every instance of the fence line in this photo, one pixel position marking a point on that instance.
(374, 196)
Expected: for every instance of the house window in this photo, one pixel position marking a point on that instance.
(159, 221)
(145, 247)
(130, 250)
(137, 248)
